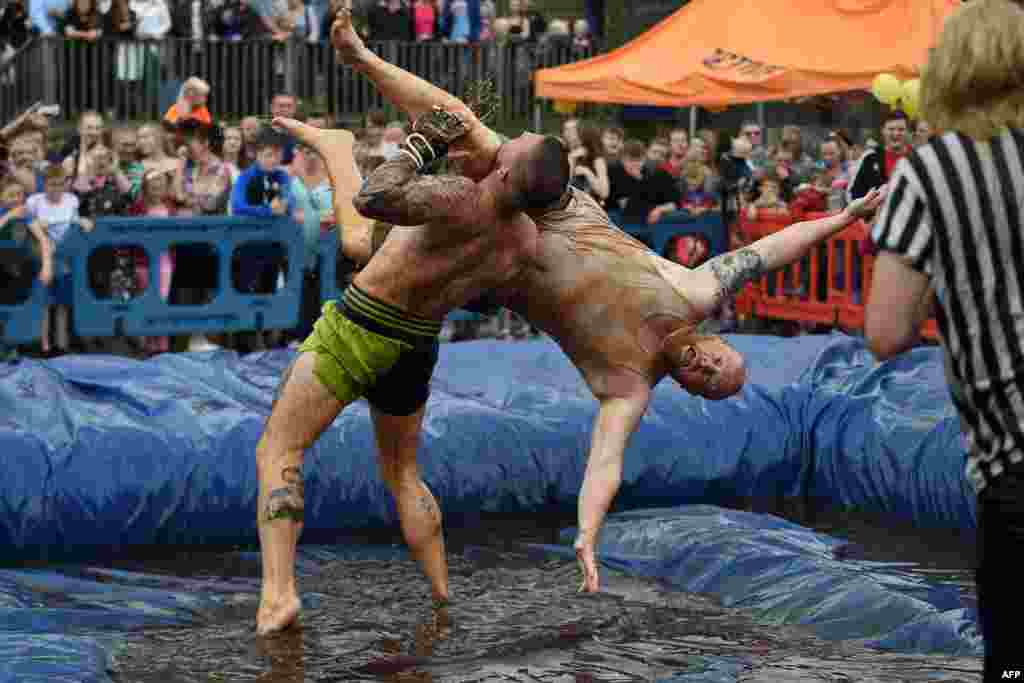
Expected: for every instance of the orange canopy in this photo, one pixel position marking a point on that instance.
(716, 53)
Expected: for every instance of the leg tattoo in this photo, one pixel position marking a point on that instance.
(428, 506)
(288, 502)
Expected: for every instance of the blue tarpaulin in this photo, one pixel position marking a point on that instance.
(104, 453)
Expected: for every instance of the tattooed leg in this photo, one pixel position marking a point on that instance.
(419, 513)
(288, 502)
(302, 410)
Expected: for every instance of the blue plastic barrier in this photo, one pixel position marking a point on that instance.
(678, 224)
(150, 314)
(22, 323)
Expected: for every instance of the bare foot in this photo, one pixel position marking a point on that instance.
(588, 567)
(276, 617)
(336, 148)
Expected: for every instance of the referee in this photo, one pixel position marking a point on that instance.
(952, 226)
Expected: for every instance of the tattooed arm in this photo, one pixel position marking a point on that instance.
(724, 276)
(396, 193)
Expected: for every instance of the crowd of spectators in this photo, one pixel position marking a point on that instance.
(454, 21)
(189, 164)
(740, 173)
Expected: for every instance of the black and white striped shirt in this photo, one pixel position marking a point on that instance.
(954, 212)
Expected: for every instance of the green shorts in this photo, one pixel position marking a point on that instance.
(367, 348)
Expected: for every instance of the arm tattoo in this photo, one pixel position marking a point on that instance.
(288, 502)
(734, 270)
(395, 194)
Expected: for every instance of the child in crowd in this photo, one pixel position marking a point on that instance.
(102, 189)
(155, 202)
(57, 212)
(19, 267)
(769, 205)
(263, 190)
(697, 200)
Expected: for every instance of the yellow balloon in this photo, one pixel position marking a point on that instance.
(911, 97)
(887, 88)
(565, 107)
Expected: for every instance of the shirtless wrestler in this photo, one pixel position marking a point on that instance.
(623, 315)
(380, 340)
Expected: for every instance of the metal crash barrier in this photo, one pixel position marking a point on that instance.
(149, 314)
(21, 323)
(829, 286)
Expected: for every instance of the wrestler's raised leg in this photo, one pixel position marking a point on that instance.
(397, 443)
(337, 149)
(303, 409)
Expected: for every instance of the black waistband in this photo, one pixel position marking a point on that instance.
(387, 320)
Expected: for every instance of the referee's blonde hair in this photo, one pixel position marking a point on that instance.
(973, 82)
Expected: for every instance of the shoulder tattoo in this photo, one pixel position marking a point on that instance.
(734, 270)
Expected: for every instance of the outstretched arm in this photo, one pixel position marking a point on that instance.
(415, 96)
(617, 419)
(725, 275)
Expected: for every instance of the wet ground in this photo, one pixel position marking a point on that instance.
(517, 617)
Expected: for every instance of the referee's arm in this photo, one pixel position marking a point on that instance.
(900, 303)
(901, 293)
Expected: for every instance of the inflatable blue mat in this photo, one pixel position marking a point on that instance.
(104, 452)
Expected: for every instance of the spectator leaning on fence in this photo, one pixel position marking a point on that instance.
(263, 190)
(154, 201)
(57, 211)
(18, 225)
(19, 268)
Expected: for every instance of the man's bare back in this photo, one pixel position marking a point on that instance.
(431, 270)
(457, 244)
(597, 292)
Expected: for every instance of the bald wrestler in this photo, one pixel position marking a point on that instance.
(624, 316)
(380, 340)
